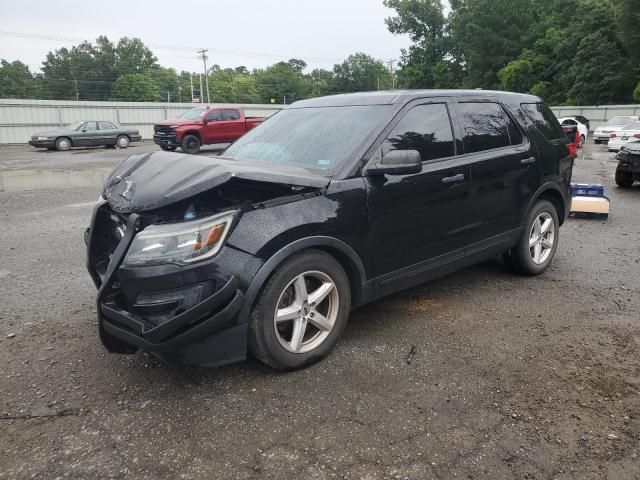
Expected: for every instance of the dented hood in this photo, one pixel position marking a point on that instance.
(153, 180)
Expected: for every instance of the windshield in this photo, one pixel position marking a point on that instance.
(316, 139)
(633, 126)
(619, 121)
(74, 125)
(192, 114)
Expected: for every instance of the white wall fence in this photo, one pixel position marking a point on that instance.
(597, 115)
(19, 119)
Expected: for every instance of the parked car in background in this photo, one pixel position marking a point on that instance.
(583, 130)
(582, 120)
(602, 133)
(628, 169)
(202, 126)
(86, 134)
(629, 134)
(329, 204)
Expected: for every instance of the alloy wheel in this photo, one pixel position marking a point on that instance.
(541, 238)
(306, 312)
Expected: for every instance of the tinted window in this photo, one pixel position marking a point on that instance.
(213, 116)
(569, 122)
(484, 126)
(515, 134)
(106, 126)
(544, 119)
(192, 114)
(90, 126)
(230, 115)
(425, 128)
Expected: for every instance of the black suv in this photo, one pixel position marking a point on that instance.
(329, 204)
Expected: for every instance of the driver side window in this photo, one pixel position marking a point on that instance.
(90, 127)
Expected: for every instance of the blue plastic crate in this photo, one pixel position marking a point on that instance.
(587, 190)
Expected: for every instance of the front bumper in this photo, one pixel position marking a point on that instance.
(42, 143)
(186, 315)
(166, 140)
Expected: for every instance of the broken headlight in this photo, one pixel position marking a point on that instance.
(181, 243)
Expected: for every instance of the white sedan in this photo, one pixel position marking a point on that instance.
(630, 133)
(582, 128)
(602, 133)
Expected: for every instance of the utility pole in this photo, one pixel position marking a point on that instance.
(203, 55)
(191, 82)
(390, 62)
(201, 98)
(179, 89)
(75, 80)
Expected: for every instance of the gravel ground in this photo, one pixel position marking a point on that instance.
(512, 377)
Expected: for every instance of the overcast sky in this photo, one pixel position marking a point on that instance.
(253, 33)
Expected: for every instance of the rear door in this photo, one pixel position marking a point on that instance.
(232, 125)
(419, 221)
(504, 171)
(108, 133)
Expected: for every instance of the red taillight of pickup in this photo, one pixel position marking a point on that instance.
(612, 135)
(636, 135)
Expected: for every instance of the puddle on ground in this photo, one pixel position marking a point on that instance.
(21, 180)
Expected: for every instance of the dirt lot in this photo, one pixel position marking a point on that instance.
(512, 377)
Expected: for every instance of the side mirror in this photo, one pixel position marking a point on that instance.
(396, 162)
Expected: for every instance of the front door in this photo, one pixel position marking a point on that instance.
(87, 135)
(108, 133)
(419, 221)
(504, 171)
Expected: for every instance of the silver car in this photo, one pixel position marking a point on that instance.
(602, 133)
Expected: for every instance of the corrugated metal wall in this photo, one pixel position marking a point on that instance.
(597, 115)
(19, 119)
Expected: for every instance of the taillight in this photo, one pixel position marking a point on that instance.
(573, 151)
(636, 135)
(612, 135)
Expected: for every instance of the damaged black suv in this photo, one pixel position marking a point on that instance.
(329, 204)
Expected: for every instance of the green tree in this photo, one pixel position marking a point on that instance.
(283, 81)
(636, 94)
(136, 87)
(16, 81)
(360, 72)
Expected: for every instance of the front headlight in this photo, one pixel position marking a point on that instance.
(180, 243)
(43, 138)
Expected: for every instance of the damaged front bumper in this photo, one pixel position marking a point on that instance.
(182, 314)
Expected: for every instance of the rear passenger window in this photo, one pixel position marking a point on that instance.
(484, 126)
(425, 128)
(230, 115)
(544, 119)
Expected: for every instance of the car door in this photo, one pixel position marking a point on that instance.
(504, 171)
(231, 126)
(209, 132)
(419, 221)
(108, 133)
(87, 135)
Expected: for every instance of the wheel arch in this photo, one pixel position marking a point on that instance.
(342, 252)
(191, 132)
(553, 193)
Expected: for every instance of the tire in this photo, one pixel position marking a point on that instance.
(63, 144)
(167, 148)
(523, 255)
(190, 144)
(276, 345)
(597, 142)
(623, 178)
(582, 140)
(122, 141)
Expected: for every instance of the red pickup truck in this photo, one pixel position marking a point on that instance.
(202, 126)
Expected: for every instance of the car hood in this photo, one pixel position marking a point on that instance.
(52, 133)
(153, 180)
(177, 121)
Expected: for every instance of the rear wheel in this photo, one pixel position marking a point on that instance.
(582, 140)
(63, 143)
(122, 141)
(167, 148)
(190, 144)
(624, 178)
(597, 142)
(301, 311)
(538, 241)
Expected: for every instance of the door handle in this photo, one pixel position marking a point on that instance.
(455, 178)
(527, 161)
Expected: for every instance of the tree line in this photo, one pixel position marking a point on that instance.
(127, 70)
(569, 52)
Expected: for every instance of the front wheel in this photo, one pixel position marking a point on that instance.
(538, 241)
(122, 141)
(623, 178)
(190, 144)
(63, 144)
(301, 311)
